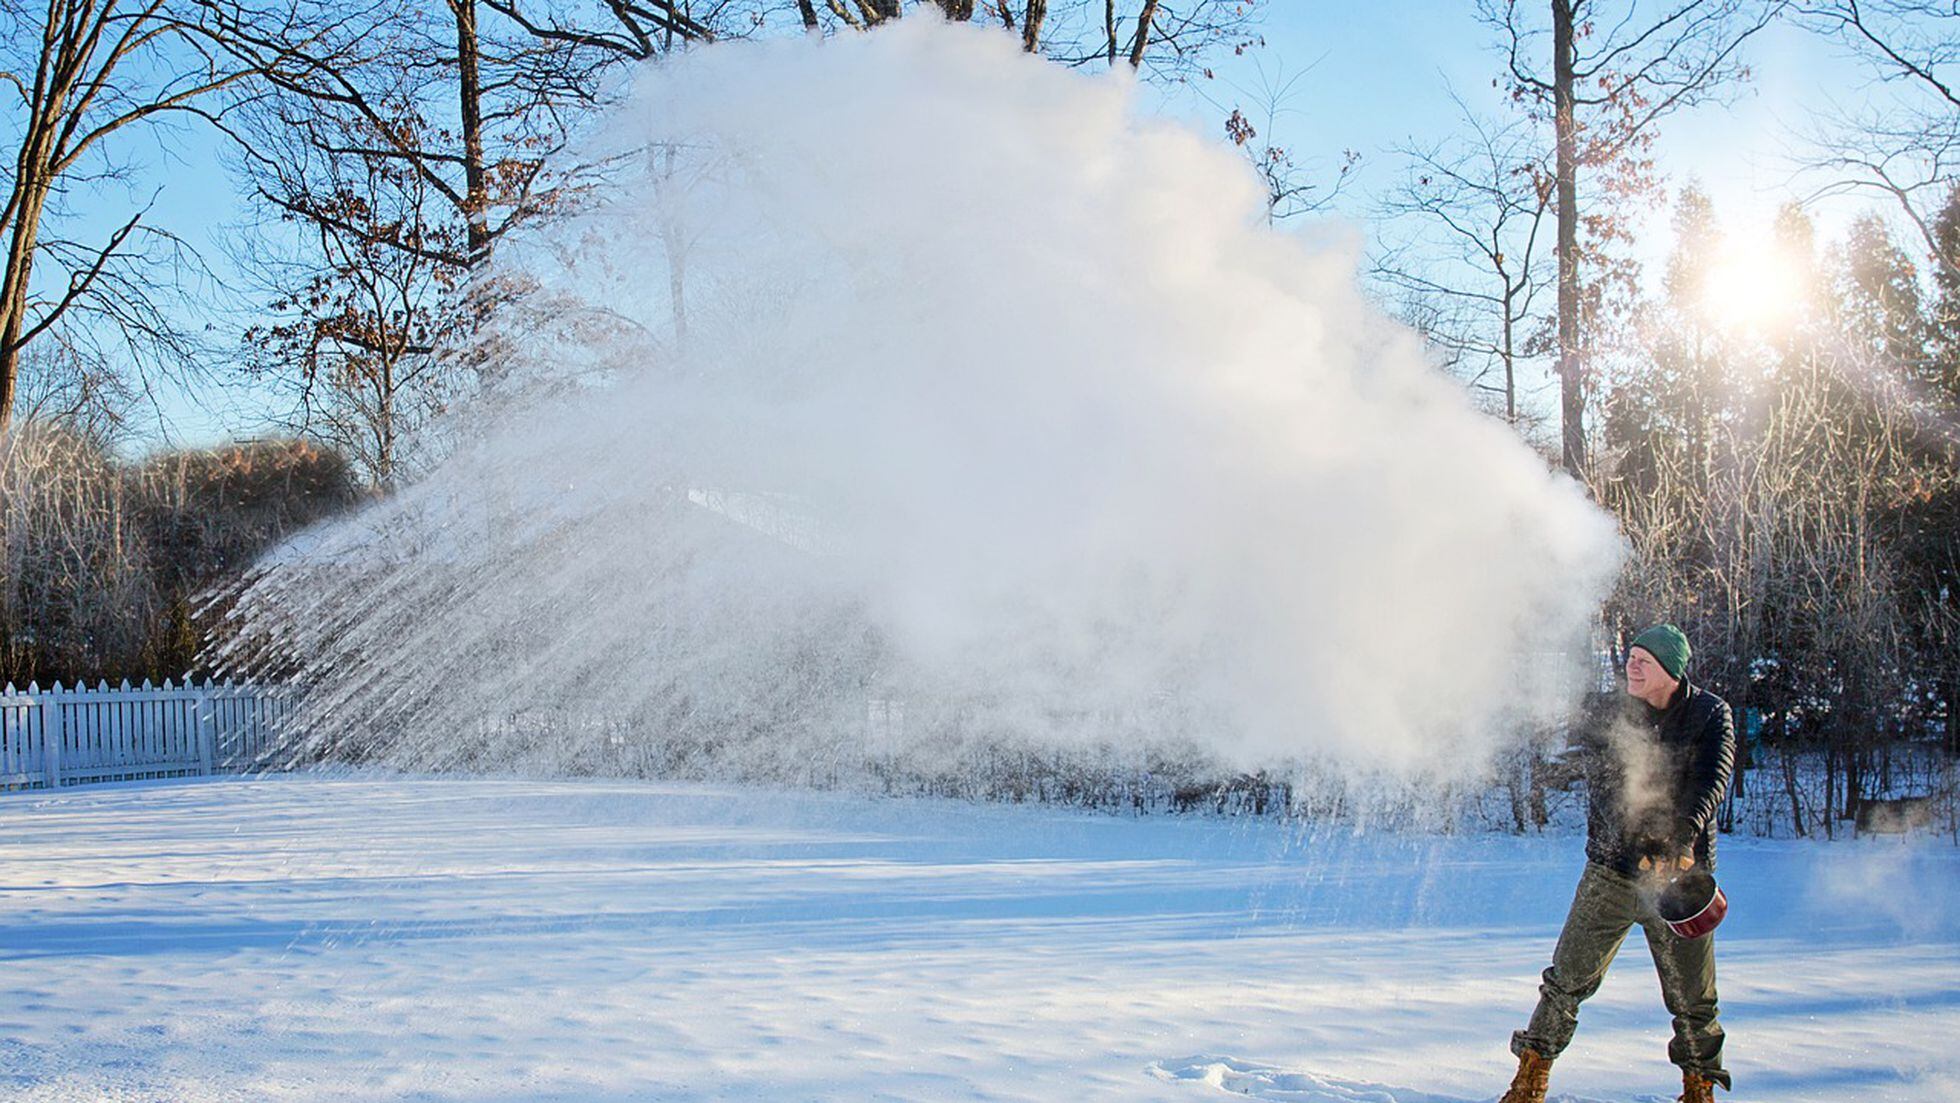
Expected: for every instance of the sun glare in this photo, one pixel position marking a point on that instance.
(1752, 287)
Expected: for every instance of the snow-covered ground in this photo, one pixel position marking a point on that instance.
(369, 938)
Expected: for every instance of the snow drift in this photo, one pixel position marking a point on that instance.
(907, 368)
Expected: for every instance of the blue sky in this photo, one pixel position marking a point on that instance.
(1795, 72)
(1370, 76)
(1373, 75)
(1362, 76)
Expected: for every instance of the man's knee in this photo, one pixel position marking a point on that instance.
(1580, 962)
(1687, 974)
(1565, 990)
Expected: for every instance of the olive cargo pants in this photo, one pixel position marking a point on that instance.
(1606, 906)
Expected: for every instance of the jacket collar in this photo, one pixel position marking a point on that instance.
(1681, 694)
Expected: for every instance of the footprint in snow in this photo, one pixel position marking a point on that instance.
(1299, 1085)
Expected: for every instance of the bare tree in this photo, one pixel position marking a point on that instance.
(358, 323)
(85, 72)
(1294, 186)
(71, 387)
(1615, 69)
(1164, 41)
(421, 96)
(395, 146)
(1914, 41)
(73, 579)
(1465, 247)
(1903, 144)
(636, 30)
(102, 560)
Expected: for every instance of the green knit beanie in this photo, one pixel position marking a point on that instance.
(1667, 645)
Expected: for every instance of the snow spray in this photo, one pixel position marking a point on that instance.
(902, 397)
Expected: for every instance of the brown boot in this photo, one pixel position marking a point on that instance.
(1534, 1076)
(1696, 1089)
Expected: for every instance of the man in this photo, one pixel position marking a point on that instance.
(1657, 768)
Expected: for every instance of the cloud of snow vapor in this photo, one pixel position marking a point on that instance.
(905, 367)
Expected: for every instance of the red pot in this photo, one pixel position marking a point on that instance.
(1692, 904)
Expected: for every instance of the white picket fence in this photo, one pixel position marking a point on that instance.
(55, 737)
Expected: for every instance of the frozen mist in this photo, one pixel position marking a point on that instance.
(904, 367)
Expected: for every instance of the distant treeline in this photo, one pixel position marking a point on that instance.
(106, 559)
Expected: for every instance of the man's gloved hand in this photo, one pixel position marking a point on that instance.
(1651, 850)
(1671, 846)
(1667, 856)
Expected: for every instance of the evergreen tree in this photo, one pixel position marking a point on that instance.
(1928, 522)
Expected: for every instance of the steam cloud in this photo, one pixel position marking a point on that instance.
(904, 366)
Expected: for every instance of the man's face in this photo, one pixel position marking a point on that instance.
(1645, 678)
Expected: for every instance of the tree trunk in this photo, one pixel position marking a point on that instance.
(1142, 40)
(1953, 713)
(34, 177)
(672, 244)
(1509, 354)
(1790, 788)
(1854, 782)
(470, 92)
(384, 460)
(33, 192)
(1031, 25)
(808, 11)
(1541, 815)
(1830, 787)
(1946, 695)
(1572, 398)
(1515, 781)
